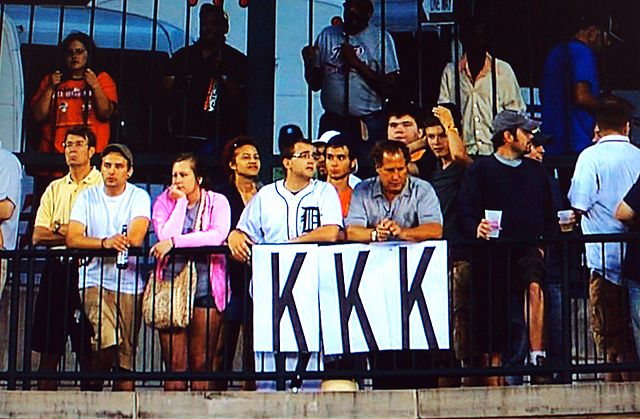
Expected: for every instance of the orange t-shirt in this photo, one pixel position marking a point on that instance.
(345, 200)
(69, 103)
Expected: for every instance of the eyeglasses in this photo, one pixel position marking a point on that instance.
(73, 52)
(307, 155)
(72, 144)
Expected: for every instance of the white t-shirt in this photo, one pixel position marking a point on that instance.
(363, 100)
(275, 215)
(104, 216)
(10, 188)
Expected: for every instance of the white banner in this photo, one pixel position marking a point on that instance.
(285, 294)
(371, 297)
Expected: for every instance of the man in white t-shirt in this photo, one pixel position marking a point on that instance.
(10, 194)
(111, 295)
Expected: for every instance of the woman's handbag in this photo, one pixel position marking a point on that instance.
(167, 304)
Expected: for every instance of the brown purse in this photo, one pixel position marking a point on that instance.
(167, 304)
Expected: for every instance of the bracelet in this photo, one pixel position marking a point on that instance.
(102, 243)
(374, 235)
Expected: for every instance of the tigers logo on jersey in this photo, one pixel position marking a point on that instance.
(310, 218)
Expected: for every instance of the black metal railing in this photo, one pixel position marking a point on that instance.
(568, 344)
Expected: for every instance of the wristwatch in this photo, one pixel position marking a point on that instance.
(374, 235)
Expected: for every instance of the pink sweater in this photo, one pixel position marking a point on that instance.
(168, 220)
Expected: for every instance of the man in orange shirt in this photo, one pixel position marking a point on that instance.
(340, 164)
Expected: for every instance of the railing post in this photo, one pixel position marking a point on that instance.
(14, 316)
(565, 372)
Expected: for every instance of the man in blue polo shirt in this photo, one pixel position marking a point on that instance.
(570, 88)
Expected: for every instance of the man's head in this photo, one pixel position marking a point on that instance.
(298, 159)
(474, 36)
(404, 122)
(340, 160)
(391, 159)
(79, 146)
(613, 115)
(513, 132)
(116, 166)
(538, 142)
(356, 15)
(591, 28)
(288, 134)
(214, 24)
(436, 137)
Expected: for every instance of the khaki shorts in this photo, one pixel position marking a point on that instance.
(115, 321)
(462, 310)
(609, 309)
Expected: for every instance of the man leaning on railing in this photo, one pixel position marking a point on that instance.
(113, 216)
(57, 307)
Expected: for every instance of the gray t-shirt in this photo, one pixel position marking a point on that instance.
(417, 204)
(363, 100)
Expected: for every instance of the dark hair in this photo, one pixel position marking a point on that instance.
(367, 3)
(209, 9)
(469, 27)
(287, 152)
(498, 137)
(85, 40)
(613, 113)
(196, 166)
(84, 132)
(588, 19)
(399, 109)
(340, 141)
(432, 121)
(229, 151)
(389, 147)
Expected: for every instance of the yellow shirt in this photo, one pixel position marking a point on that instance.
(59, 197)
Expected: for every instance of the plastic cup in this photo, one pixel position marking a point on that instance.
(494, 217)
(565, 220)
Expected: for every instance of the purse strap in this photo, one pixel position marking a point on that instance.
(203, 196)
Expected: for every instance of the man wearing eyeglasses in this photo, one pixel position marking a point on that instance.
(57, 308)
(297, 209)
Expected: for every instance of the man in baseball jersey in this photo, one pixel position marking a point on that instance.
(298, 209)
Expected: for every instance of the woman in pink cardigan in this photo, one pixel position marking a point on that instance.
(174, 220)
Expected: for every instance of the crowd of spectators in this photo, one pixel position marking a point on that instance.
(469, 168)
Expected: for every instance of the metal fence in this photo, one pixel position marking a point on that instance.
(572, 354)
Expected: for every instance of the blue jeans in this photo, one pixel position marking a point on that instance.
(634, 309)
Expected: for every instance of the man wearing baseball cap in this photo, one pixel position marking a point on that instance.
(111, 294)
(518, 189)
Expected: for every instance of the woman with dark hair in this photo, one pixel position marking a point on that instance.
(187, 215)
(241, 161)
(74, 95)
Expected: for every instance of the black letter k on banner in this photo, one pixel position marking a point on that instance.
(410, 296)
(286, 301)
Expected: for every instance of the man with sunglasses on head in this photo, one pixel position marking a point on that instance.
(58, 312)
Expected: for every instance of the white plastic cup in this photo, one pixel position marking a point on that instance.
(565, 220)
(494, 217)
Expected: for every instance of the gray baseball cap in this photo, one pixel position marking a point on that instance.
(121, 149)
(507, 120)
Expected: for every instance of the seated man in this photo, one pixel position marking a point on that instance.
(10, 187)
(341, 162)
(394, 206)
(113, 216)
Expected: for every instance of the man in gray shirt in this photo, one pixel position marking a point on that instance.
(395, 206)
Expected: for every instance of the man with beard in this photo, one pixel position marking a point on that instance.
(519, 188)
(206, 87)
